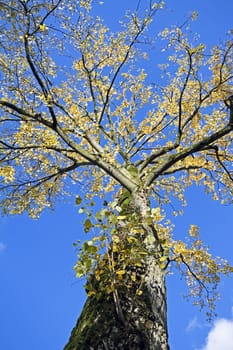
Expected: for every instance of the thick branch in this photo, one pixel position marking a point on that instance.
(199, 146)
(120, 174)
(38, 79)
(17, 109)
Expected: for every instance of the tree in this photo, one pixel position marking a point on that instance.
(80, 115)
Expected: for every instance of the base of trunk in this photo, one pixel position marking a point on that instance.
(99, 328)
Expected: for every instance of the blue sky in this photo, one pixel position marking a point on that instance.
(40, 298)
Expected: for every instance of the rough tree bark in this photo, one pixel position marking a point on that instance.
(126, 320)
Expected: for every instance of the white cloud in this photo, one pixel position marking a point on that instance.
(220, 336)
(2, 247)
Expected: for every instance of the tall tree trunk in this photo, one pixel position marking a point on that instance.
(127, 319)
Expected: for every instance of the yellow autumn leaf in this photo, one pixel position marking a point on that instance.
(139, 292)
(120, 272)
(42, 27)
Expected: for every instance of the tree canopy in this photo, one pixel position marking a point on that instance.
(81, 115)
